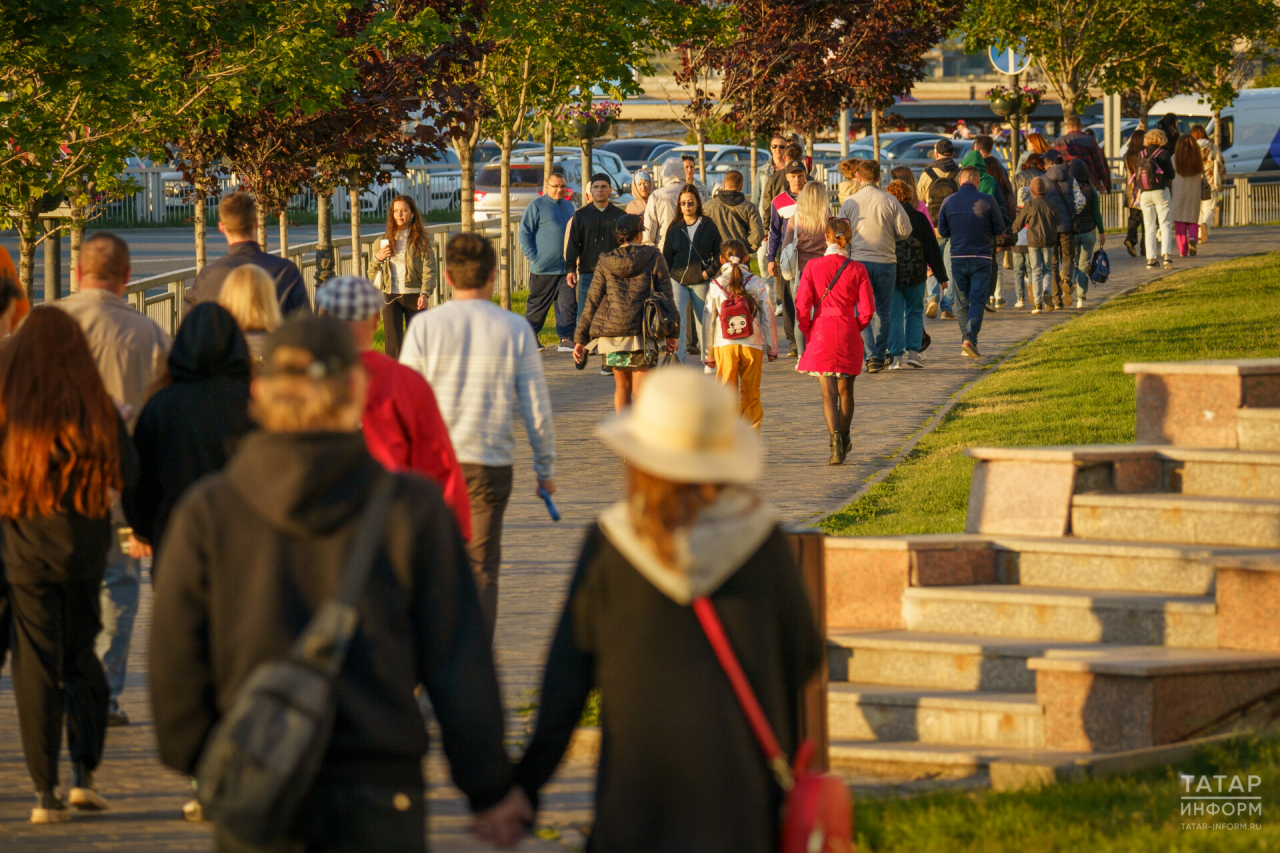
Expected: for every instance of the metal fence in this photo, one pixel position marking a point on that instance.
(164, 197)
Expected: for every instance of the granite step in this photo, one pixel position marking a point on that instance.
(877, 712)
(1073, 563)
(1225, 473)
(954, 662)
(1258, 429)
(1047, 613)
(1192, 519)
(905, 759)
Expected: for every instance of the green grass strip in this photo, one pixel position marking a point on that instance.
(1068, 387)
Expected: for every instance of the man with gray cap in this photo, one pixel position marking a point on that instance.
(253, 551)
(402, 425)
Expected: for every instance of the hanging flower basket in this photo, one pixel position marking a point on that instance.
(1004, 107)
(1014, 100)
(592, 121)
(590, 128)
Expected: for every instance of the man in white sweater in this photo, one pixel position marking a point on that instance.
(480, 360)
(879, 221)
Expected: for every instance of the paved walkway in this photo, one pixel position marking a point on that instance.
(891, 406)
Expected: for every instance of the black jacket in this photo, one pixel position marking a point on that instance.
(736, 218)
(291, 290)
(252, 551)
(1041, 219)
(1062, 196)
(922, 230)
(190, 428)
(687, 260)
(679, 769)
(591, 234)
(65, 546)
(615, 301)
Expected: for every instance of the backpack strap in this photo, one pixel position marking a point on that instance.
(714, 629)
(839, 273)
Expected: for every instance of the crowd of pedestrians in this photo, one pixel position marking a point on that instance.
(242, 460)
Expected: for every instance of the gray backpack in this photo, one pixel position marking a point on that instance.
(263, 756)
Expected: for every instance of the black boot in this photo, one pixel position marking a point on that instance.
(836, 446)
(845, 445)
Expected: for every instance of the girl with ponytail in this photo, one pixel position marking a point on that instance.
(739, 329)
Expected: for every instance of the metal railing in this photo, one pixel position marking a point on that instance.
(160, 296)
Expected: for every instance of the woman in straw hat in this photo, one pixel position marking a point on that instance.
(680, 768)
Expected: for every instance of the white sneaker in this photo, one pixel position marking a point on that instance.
(777, 312)
(914, 359)
(1079, 304)
(1037, 309)
(895, 363)
(87, 799)
(1019, 304)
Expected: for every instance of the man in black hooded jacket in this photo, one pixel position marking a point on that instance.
(253, 551)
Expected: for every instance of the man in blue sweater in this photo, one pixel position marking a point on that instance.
(971, 219)
(542, 238)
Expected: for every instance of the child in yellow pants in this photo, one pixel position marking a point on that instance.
(738, 329)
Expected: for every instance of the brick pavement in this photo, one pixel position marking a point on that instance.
(538, 561)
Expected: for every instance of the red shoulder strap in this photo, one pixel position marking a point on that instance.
(714, 629)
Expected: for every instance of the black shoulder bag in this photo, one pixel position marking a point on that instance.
(660, 319)
(263, 756)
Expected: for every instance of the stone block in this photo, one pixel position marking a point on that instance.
(953, 566)
(1020, 497)
(875, 712)
(1135, 698)
(1248, 593)
(1232, 474)
(1259, 429)
(865, 588)
(1194, 403)
(1240, 522)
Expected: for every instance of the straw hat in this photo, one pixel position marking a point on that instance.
(685, 427)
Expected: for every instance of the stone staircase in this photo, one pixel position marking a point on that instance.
(1102, 599)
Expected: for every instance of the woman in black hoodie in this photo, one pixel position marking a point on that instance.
(190, 428)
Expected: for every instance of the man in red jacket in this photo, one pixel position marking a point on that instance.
(401, 422)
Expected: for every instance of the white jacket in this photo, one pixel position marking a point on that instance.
(664, 204)
(764, 337)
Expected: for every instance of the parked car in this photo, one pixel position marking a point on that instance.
(635, 153)
(1127, 126)
(828, 153)
(720, 158)
(1250, 127)
(527, 171)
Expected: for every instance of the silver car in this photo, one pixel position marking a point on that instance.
(527, 178)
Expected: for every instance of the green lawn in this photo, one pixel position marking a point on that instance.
(1121, 814)
(1067, 387)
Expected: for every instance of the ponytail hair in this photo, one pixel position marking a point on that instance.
(839, 232)
(734, 253)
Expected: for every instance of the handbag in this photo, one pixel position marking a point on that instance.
(1206, 192)
(817, 814)
(263, 755)
(789, 258)
(659, 319)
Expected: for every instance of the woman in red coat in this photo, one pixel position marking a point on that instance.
(833, 305)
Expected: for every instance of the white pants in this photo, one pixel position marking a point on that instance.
(1157, 223)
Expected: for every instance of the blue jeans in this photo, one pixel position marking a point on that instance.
(1084, 254)
(884, 278)
(906, 320)
(972, 280)
(686, 295)
(946, 299)
(119, 601)
(793, 287)
(1021, 276)
(1040, 262)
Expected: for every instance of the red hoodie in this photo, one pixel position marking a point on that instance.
(404, 431)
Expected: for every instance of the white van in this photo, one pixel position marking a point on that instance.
(1250, 127)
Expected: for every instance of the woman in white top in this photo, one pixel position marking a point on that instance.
(739, 329)
(404, 269)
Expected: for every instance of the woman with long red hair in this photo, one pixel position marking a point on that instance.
(63, 453)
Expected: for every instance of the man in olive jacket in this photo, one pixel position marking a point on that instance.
(252, 551)
(735, 217)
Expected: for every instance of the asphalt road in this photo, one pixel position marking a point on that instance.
(160, 250)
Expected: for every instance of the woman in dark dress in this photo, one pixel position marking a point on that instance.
(679, 766)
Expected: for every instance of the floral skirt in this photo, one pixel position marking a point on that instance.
(632, 359)
(821, 374)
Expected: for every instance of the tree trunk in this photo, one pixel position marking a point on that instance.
(753, 157)
(504, 240)
(282, 217)
(810, 138)
(548, 143)
(52, 261)
(844, 134)
(702, 153)
(357, 260)
(199, 226)
(28, 236)
(261, 230)
(324, 237)
(76, 230)
(1144, 113)
(467, 188)
(875, 135)
(586, 172)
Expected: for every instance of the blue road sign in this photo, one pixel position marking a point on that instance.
(1012, 60)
